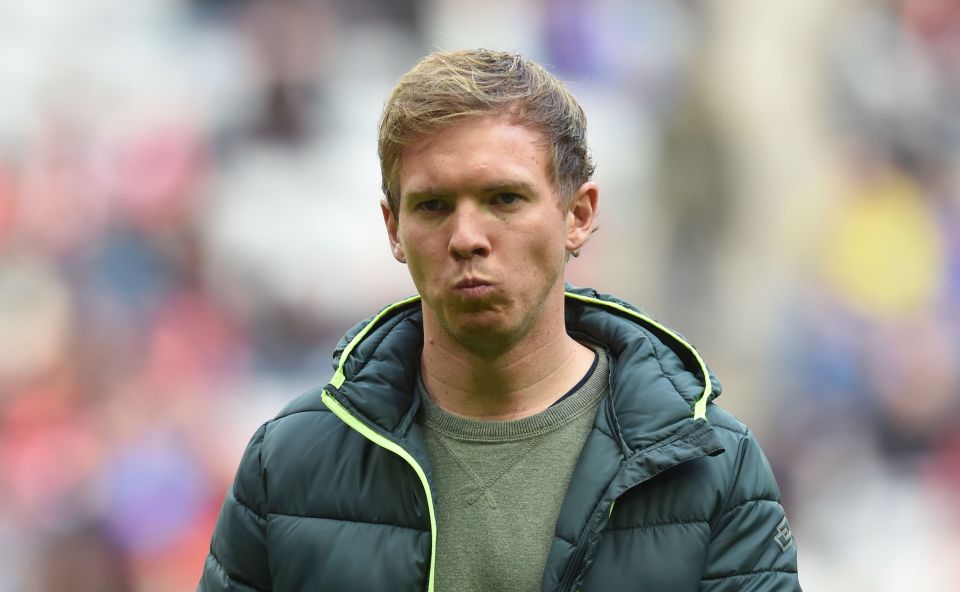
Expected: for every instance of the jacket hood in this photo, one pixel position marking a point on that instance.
(658, 382)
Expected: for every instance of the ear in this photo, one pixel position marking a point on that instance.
(391, 222)
(581, 215)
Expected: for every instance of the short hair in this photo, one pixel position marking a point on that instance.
(444, 88)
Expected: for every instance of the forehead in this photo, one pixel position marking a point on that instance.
(479, 151)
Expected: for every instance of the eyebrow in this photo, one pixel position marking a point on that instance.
(500, 186)
(510, 185)
(428, 192)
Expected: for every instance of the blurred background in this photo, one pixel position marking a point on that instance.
(189, 220)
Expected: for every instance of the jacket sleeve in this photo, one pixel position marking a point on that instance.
(238, 551)
(751, 546)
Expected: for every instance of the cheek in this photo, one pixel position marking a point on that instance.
(548, 243)
(540, 258)
(419, 264)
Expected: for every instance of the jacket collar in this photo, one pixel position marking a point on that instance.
(659, 383)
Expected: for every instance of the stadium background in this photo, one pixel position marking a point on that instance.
(189, 220)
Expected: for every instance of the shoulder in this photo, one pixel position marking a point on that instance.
(729, 429)
(287, 465)
(294, 421)
(709, 493)
(304, 434)
(742, 473)
(708, 487)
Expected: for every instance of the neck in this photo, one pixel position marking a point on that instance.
(524, 379)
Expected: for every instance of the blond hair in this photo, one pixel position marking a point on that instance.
(446, 87)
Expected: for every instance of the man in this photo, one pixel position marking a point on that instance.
(498, 431)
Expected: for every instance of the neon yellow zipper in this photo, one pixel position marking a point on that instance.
(380, 440)
(375, 437)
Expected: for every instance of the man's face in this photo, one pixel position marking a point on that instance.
(481, 227)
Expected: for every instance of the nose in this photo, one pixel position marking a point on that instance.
(468, 237)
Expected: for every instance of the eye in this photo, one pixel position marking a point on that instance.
(507, 199)
(431, 205)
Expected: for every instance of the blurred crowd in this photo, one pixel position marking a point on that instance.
(871, 454)
(189, 221)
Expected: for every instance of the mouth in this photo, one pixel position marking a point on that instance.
(472, 288)
(471, 283)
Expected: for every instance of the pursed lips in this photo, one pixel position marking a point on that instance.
(472, 287)
(470, 282)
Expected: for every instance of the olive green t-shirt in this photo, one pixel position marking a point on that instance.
(499, 487)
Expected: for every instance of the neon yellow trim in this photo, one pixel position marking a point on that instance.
(383, 442)
(338, 376)
(700, 407)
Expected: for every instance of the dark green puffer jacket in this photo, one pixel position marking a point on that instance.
(670, 493)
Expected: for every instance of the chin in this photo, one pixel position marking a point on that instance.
(481, 325)
(476, 327)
